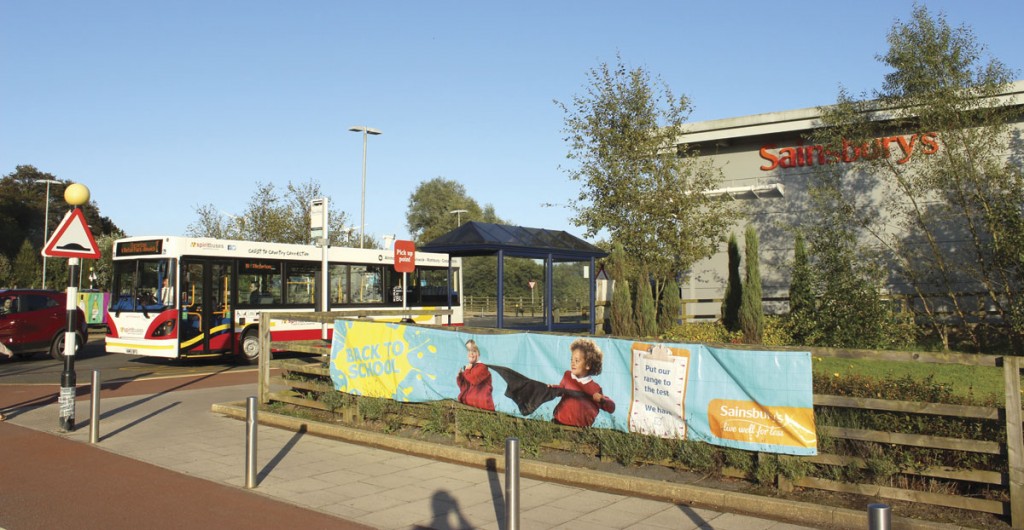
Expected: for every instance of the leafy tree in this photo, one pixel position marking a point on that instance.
(751, 309)
(430, 205)
(273, 217)
(6, 271)
(636, 184)
(646, 316)
(27, 270)
(733, 289)
(848, 280)
(671, 306)
(947, 218)
(103, 268)
(23, 208)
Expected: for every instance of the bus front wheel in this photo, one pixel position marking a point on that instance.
(251, 346)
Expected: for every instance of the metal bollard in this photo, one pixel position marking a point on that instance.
(879, 516)
(250, 443)
(94, 418)
(511, 484)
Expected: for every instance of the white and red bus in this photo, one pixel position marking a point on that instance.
(180, 297)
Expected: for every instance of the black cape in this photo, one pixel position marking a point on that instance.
(527, 393)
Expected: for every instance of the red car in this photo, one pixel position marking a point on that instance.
(32, 321)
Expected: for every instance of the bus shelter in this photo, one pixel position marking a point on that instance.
(545, 278)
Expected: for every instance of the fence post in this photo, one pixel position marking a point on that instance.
(263, 378)
(1014, 439)
(511, 484)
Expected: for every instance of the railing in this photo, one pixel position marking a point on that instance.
(1010, 481)
(319, 347)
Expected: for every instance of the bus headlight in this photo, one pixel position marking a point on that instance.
(165, 329)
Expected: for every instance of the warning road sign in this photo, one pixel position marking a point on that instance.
(72, 239)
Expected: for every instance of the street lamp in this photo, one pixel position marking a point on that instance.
(362, 205)
(46, 219)
(458, 216)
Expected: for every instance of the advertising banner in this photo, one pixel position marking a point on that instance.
(753, 400)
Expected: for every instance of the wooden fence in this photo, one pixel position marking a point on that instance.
(1012, 449)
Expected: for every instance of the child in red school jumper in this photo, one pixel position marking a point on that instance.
(474, 380)
(584, 364)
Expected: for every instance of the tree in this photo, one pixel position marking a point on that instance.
(733, 296)
(646, 316)
(23, 208)
(273, 217)
(801, 292)
(6, 271)
(27, 269)
(620, 314)
(947, 217)
(430, 205)
(671, 306)
(801, 295)
(636, 184)
(751, 315)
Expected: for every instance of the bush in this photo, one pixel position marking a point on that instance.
(702, 332)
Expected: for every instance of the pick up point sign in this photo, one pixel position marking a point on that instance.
(405, 256)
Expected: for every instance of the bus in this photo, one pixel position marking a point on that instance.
(181, 297)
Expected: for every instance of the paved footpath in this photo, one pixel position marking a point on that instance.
(164, 460)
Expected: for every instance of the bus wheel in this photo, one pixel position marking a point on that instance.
(251, 346)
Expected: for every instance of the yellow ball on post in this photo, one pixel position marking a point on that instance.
(76, 194)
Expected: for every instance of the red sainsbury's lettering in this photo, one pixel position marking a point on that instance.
(814, 155)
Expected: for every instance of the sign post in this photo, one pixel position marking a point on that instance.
(73, 240)
(318, 231)
(405, 262)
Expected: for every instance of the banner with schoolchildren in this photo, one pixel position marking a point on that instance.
(753, 400)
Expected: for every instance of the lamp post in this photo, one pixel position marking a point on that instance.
(458, 216)
(362, 204)
(46, 219)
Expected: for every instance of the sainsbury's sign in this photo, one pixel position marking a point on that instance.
(901, 147)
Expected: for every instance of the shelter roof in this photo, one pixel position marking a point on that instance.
(485, 239)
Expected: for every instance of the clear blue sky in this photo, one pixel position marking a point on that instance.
(159, 107)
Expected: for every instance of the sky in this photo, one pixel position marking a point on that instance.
(160, 107)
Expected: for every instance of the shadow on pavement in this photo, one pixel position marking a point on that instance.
(283, 452)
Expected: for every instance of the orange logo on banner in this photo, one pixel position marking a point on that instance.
(748, 421)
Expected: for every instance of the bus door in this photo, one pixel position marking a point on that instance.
(207, 312)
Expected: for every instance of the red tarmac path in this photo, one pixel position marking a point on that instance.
(47, 481)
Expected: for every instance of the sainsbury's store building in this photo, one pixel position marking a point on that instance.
(768, 165)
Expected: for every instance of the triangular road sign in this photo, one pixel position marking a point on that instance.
(72, 239)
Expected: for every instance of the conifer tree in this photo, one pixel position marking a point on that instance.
(646, 313)
(751, 315)
(27, 270)
(733, 289)
(621, 316)
(671, 306)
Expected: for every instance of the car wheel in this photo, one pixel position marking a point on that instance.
(57, 346)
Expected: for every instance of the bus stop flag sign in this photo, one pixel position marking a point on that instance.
(72, 239)
(405, 256)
